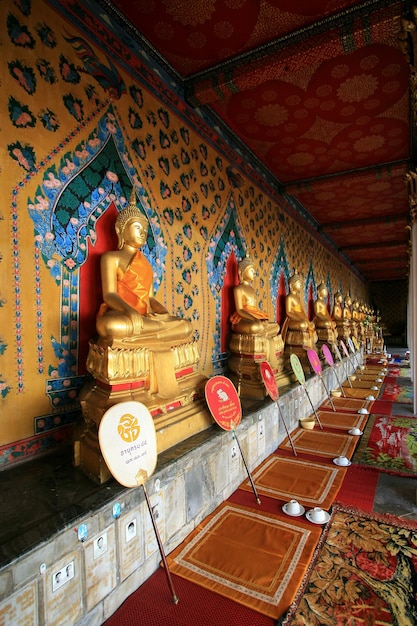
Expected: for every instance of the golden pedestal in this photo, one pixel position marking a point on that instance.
(325, 335)
(247, 353)
(298, 342)
(164, 379)
(343, 331)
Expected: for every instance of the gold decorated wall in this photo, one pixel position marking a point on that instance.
(83, 119)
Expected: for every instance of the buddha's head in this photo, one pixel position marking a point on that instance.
(246, 269)
(338, 298)
(128, 216)
(295, 282)
(322, 292)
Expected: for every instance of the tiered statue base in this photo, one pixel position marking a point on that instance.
(325, 336)
(343, 331)
(163, 378)
(247, 353)
(298, 342)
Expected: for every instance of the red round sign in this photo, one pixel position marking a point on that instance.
(269, 381)
(223, 402)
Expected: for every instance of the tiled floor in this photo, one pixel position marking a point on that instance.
(44, 496)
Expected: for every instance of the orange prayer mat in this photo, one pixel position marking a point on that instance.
(257, 559)
(309, 482)
(321, 443)
(345, 404)
(360, 393)
(342, 421)
(369, 376)
(362, 384)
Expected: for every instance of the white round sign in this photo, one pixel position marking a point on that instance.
(127, 440)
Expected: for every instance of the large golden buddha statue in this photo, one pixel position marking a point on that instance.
(300, 332)
(130, 314)
(248, 318)
(325, 326)
(254, 339)
(342, 324)
(355, 322)
(142, 353)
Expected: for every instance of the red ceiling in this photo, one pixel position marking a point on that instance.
(319, 92)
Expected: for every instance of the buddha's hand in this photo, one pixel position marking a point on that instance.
(136, 320)
(157, 307)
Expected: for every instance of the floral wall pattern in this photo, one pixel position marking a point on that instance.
(84, 119)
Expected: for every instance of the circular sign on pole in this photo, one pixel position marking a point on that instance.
(223, 402)
(269, 380)
(337, 352)
(313, 357)
(351, 345)
(127, 440)
(297, 368)
(327, 354)
(345, 350)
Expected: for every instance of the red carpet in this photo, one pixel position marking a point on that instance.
(384, 407)
(358, 488)
(152, 605)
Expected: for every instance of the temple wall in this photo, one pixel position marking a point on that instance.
(83, 119)
(182, 493)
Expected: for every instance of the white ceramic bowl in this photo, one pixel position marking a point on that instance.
(293, 507)
(370, 398)
(343, 461)
(318, 515)
(308, 423)
(355, 431)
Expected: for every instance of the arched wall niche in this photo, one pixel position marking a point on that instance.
(73, 215)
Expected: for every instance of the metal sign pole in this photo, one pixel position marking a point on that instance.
(246, 467)
(338, 382)
(161, 547)
(312, 406)
(328, 394)
(286, 429)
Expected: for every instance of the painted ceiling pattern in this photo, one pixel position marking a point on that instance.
(318, 92)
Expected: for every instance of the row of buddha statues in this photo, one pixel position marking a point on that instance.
(143, 353)
(254, 338)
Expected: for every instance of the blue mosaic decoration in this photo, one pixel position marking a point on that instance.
(310, 280)
(227, 239)
(75, 194)
(279, 266)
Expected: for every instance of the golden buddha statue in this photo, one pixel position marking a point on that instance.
(300, 332)
(130, 313)
(298, 320)
(355, 322)
(248, 318)
(254, 339)
(325, 326)
(342, 323)
(142, 353)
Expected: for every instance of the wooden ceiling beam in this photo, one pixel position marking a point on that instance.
(368, 221)
(373, 245)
